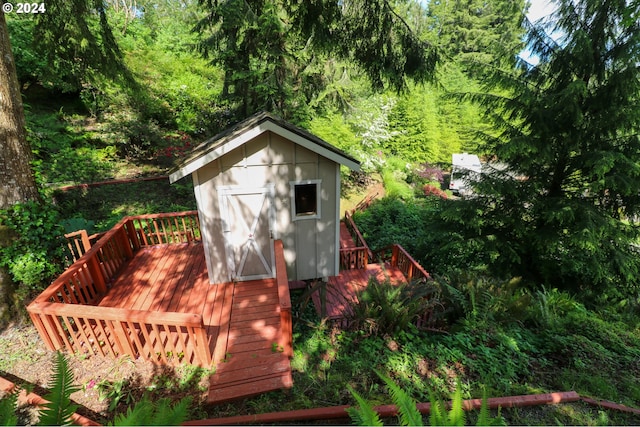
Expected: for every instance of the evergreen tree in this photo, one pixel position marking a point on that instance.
(75, 40)
(563, 211)
(274, 51)
(477, 30)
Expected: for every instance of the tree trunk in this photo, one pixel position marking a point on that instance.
(17, 183)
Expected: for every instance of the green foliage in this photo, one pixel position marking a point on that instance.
(408, 414)
(567, 130)
(481, 31)
(363, 414)
(272, 61)
(415, 224)
(373, 34)
(59, 409)
(154, 413)
(416, 123)
(383, 308)
(8, 407)
(38, 252)
(481, 302)
(85, 30)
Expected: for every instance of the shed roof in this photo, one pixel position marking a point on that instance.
(250, 128)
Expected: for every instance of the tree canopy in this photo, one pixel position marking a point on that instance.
(275, 52)
(561, 204)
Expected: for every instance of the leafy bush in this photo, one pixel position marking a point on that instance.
(479, 301)
(37, 254)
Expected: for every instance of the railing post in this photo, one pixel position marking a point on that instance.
(394, 255)
(133, 236)
(85, 241)
(122, 337)
(47, 333)
(124, 239)
(202, 346)
(96, 274)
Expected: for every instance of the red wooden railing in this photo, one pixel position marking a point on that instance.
(66, 314)
(286, 324)
(398, 257)
(364, 203)
(79, 243)
(357, 257)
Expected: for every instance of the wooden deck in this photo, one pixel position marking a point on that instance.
(143, 290)
(242, 319)
(333, 300)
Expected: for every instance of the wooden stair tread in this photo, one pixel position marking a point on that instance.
(257, 386)
(247, 368)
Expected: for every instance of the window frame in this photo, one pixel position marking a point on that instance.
(292, 193)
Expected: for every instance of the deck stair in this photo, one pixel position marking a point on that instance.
(249, 375)
(253, 362)
(358, 264)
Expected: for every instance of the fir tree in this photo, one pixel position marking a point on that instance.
(563, 211)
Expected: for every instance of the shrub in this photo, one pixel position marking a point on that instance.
(383, 308)
(37, 254)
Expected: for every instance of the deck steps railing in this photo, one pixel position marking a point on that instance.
(354, 257)
(67, 316)
(398, 257)
(286, 322)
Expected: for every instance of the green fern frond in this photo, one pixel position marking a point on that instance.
(8, 406)
(457, 415)
(438, 412)
(172, 415)
(138, 415)
(59, 409)
(363, 415)
(160, 412)
(407, 410)
(484, 418)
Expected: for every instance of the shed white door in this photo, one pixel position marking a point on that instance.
(247, 224)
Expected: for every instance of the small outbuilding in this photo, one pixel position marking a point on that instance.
(261, 180)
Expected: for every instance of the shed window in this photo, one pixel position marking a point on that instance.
(305, 199)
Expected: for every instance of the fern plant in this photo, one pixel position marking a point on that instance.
(385, 308)
(59, 409)
(158, 413)
(8, 406)
(408, 414)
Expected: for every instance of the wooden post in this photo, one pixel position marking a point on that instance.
(122, 338)
(96, 274)
(202, 346)
(85, 241)
(133, 236)
(124, 239)
(394, 256)
(286, 326)
(44, 331)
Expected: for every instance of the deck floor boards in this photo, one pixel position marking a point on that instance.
(242, 319)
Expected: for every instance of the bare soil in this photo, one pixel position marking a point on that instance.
(25, 360)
